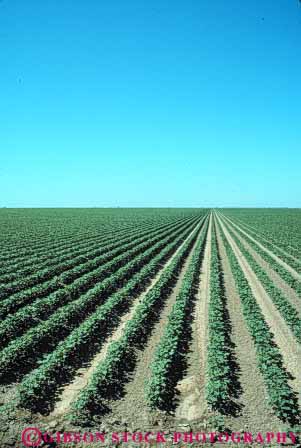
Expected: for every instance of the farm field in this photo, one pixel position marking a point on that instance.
(150, 320)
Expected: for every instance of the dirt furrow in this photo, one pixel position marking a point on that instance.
(279, 261)
(71, 390)
(290, 350)
(277, 280)
(132, 407)
(254, 411)
(192, 402)
(266, 239)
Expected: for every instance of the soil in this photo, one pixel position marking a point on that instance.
(81, 379)
(266, 239)
(279, 261)
(254, 411)
(283, 337)
(189, 411)
(290, 294)
(132, 407)
(192, 403)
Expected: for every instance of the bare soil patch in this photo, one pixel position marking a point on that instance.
(279, 261)
(289, 348)
(132, 407)
(192, 403)
(255, 412)
(70, 391)
(277, 280)
(266, 239)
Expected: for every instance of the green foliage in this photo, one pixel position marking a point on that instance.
(47, 334)
(292, 281)
(280, 227)
(288, 312)
(218, 351)
(105, 374)
(77, 280)
(270, 362)
(160, 380)
(42, 382)
(15, 324)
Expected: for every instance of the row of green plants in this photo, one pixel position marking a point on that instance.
(281, 396)
(50, 256)
(24, 243)
(28, 316)
(107, 373)
(281, 226)
(296, 265)
(26, 349)
(292, 281)
(40, 385)
(79, 252)
(80, 279)
(286, 309)
(27, 265)
(56, 240)
(218, 360)
(159, 388)
(32, 244)
(84, 263)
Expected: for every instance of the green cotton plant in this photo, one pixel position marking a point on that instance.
(44, 379)
(286, 309)
(294, 283)
(158, 384)
(104, 375)
(281, 396)
(79, 279)
(16, 324)
(217, 388)
(271, 244)
(280, 227)
(47, 334)
(86, 246)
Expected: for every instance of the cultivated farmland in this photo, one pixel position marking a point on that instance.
(150, 319)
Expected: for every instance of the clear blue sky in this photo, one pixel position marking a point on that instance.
(150, 103)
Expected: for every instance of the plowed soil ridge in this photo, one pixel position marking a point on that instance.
(279, 261)
(278, 281)
(253, 229)
(192, 402)
(253, 398)
(70, 391)
(284, 339)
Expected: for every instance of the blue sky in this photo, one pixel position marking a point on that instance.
(159, 103)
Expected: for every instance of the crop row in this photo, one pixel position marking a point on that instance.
(273, 248)
(25, 349)
(159, 388)
(79, 279)
(32, 314)
(48, 258)
(267, 235)
(89, 260)
(270, 362)
(281, 226)
(91, 397)
(29, 244)
(40, 385)
(58, 239)
(287, 311)
(218, 384)
(293, 282)
(33, 246)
